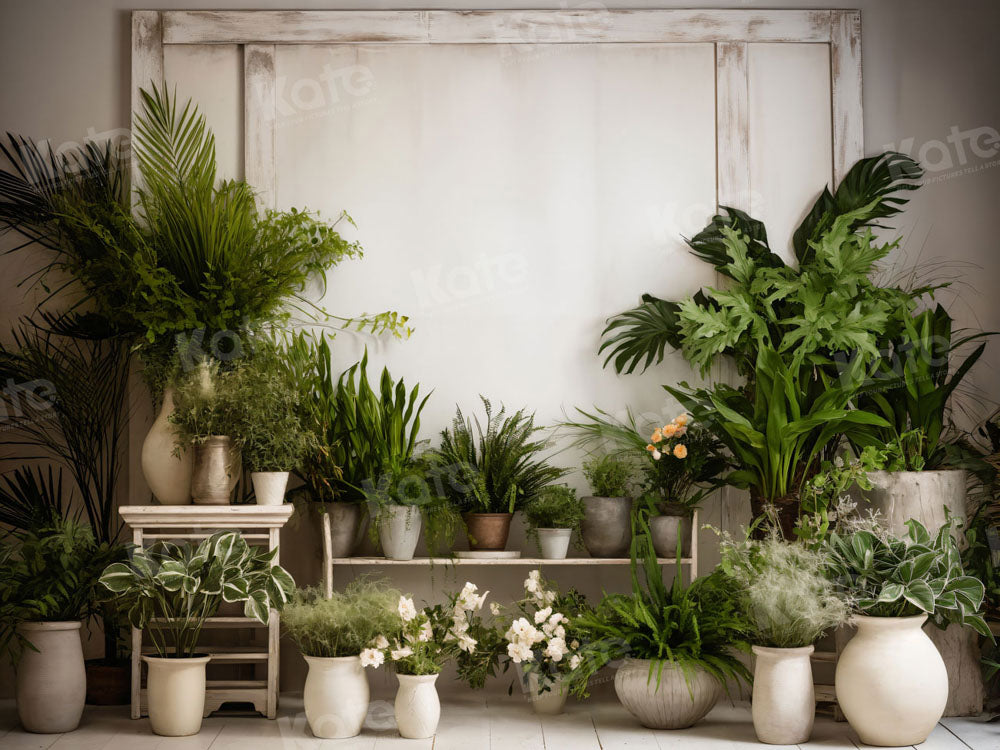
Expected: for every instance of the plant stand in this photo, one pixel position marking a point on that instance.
(259, 524)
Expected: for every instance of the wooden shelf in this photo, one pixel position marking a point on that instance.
(233, 654)
(215, 517)
(536, 561)
(223, 622)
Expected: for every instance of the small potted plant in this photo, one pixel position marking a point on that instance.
(47, 588)
(891, 681)
(331, 634)
(553, 517)
(490, 472)
(677, 644)
(204, 420)
(418, 647)
(607, 524)
(170, 590)
(790, 603)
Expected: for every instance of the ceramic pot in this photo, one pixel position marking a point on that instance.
(108, 684)
(168, 476)
(891, 681)
(399, 530)
(346, 533)
(607, 526)
(488, 531)
(552, 701)
(671, 704)
(336, 696)
(176, 694)
(554, 543)
(51, 683)
(784, 700)
(269, 486)
(417, 708)
(213, 479)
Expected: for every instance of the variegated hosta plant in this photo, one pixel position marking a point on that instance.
(887, 576)
(171, 589)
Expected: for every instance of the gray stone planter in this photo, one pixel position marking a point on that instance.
(607, 526)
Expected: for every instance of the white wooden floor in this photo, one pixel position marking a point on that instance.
(473, 721)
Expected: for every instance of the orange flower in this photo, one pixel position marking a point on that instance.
(651, 448)
(669, 430)
(680, 450)
(681, 419)
(657, 436)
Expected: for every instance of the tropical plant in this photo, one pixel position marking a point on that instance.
(694, 627)
(609, 475)
(554, 507)
(50, 574)
(783, 589)
(918, 574)
(206, 403)
(33, 499)
(495, 469)
(346, 623)
(170, 590)
(826, 495)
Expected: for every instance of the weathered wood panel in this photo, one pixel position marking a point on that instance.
(259, 120)
(845, 77)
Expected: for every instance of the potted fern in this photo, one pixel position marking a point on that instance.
(490, 471)
(332, 634)
(607, 524)
(677, 644)
(552, 518)
(170, 590)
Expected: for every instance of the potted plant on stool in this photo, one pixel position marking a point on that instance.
(891, 681)
(170, 590)
(553, 517)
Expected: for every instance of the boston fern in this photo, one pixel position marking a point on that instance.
(887, 576)
(170, 590)
(695, 627)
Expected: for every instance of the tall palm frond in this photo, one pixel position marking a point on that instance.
(32, 499)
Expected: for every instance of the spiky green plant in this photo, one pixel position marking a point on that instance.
(554, 507)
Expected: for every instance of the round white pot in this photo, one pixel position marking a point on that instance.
(269, 486)
(176, 694)
(552, 701)
(891, 681)
(784, 700)
(399, 530)
(168, 476)
(554, 543)
(336, 696)
(418, 708)
(52, 681)
(671, 704)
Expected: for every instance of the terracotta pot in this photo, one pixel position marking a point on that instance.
(488, 531)
(108, 684)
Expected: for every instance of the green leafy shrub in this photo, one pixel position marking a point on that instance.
(171, 589)
(345, 624)
(609, 475)
(206, 403)
(555, 507)
(784, 590)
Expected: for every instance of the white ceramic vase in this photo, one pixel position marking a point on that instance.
(784, 700)
(891, 681)
(269, 486)
(399, 530)
(670, 704)
(168, 476)
(176, 694)
(552, 701)
(554, 543)
(417, 708)
(52, 681)
(336, 696)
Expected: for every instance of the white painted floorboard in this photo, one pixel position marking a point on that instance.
(469, 721)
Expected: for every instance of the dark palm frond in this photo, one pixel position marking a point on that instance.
(871, 184)
(32, 499)
(639, 336)
(708, 244)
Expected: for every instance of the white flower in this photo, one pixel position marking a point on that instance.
(559, 632)
(406, 609)
(426, 632)
(533, 583)
(519, 652)
(551, 626)
(495, 609)
(372, 657)
(542, 615)
(655, 454)
(401, 653)
(381, 642)
(556, 649)
(574, 661)
(466, 643)
(547, 597)
(574, 644)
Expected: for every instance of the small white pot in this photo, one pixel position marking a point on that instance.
(269, 486)
(784, 700)
(671, 704)
(336, 696)
(52, 681)
(176, 694)
(891, 682)
(399, 530)
(554, 543)
(552, 701)
(418, 708)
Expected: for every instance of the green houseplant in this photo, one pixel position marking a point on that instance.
(331, 634)
(609, 475)
(896, 584)
(490, 471)
(607, 526)
(553, 517)
(170, 590)
(678, 642)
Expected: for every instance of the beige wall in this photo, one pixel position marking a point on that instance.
(929, 73)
